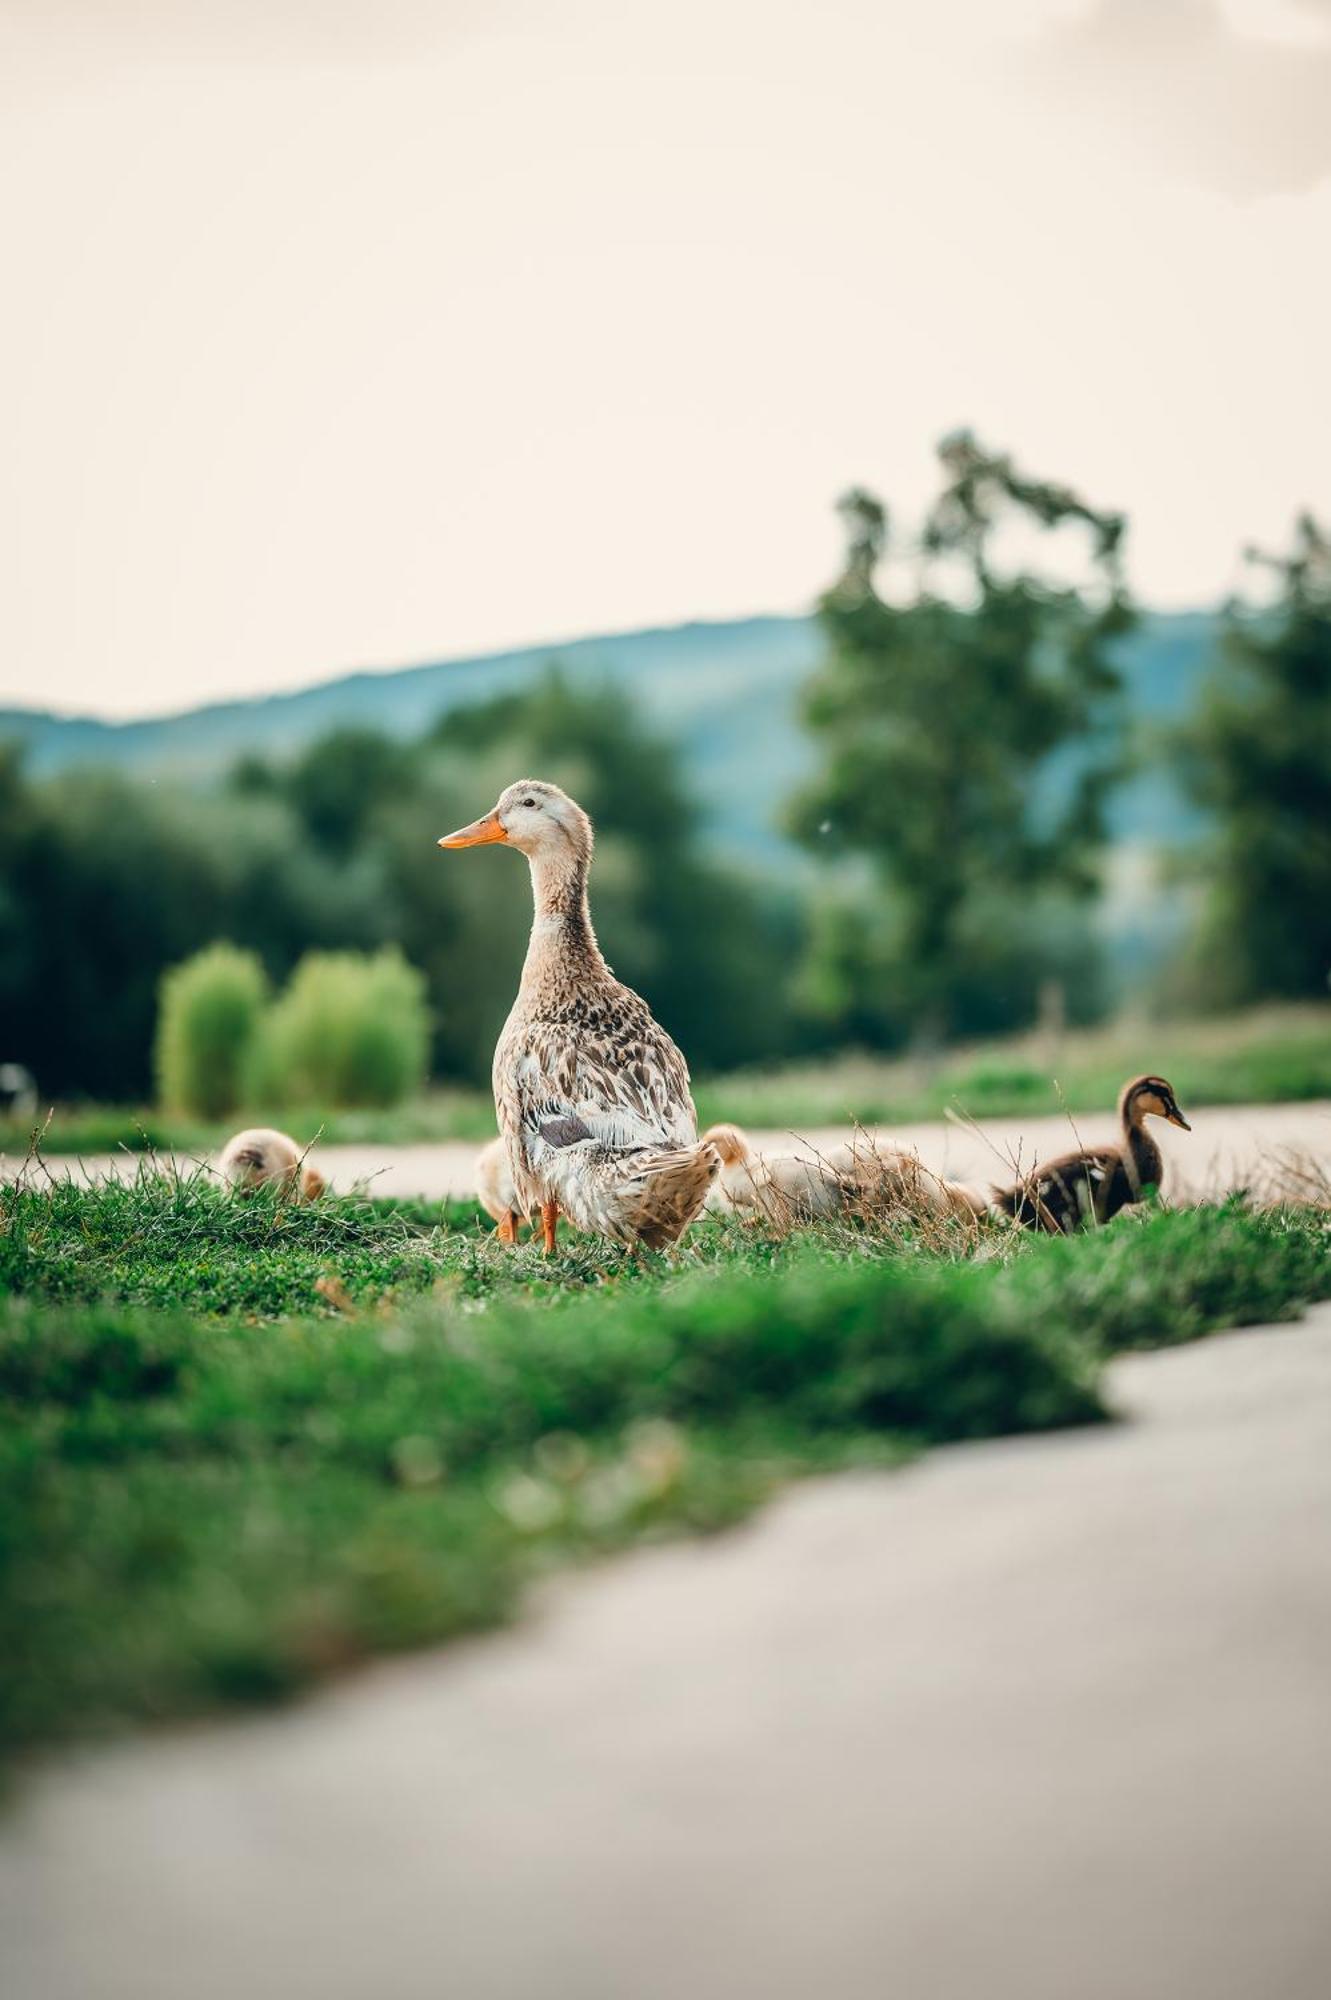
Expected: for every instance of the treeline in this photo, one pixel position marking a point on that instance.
(105, 882)
(970, 728)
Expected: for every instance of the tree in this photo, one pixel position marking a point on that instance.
(341, 780)
(105, 881)
(1259, 758)
(970, 737)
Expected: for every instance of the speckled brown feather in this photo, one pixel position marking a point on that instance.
(591, 1094)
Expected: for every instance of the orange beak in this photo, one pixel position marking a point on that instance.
(477, 834)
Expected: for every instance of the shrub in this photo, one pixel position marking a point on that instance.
(349, 1029)
(209, 1011)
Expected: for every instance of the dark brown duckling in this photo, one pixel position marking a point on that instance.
(1095, 1184)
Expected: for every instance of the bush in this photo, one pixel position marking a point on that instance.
(349, 1029)
(209, 1011)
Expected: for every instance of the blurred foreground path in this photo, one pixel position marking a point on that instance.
(1231, 1146)
(1039, 1720)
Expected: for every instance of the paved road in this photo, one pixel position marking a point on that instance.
(1037, 1720)
(1228, 1147)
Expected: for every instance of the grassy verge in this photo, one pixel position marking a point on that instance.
(1271, 1055)
(441, 1114)
(220, 1498)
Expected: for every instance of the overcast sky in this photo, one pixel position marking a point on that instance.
(372, 331)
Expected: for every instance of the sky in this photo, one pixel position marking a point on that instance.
(347, 333)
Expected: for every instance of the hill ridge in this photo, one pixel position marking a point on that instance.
(547, 649)
(727, 691)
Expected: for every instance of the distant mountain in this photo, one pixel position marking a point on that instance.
(728, 693)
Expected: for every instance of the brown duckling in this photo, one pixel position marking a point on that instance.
(1097, 1182)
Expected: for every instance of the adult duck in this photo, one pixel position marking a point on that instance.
(591, 1093)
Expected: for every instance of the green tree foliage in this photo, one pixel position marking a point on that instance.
(211, 1007)
(1259, 759)
(349, 1029)
(106, 881)
(970, 739)
(711, 952)
(340, 783)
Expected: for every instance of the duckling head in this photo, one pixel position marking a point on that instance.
(729, 1142)
(537, 818)
(1151, 1097)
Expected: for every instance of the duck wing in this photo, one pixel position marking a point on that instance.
(1066, 1193)
(600, 1070)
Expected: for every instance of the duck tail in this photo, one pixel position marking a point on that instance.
(652, 1198)
(1024, 1203)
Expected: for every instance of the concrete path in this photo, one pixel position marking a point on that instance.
(1037, 1720)
(1232, 1146)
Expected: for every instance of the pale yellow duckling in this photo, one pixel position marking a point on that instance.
(263, 1157)
(861, 1178)
(495, 1191)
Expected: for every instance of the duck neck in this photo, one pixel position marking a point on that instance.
(563, 947)
(1147, 1163)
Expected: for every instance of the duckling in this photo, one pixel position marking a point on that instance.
(857, 1179)
(261, 1156)
(1094, 1184)
(495, 1191)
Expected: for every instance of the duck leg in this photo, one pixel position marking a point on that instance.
(508, 1227)
(549, 1223)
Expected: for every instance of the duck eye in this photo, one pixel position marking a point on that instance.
(527, 802)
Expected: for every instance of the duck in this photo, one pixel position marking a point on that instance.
(1093, 1185)
(262, 1157)
(862, 1178)
(495, 1191)
(591, 1094)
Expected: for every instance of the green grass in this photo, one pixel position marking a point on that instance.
(179, 1243)
(218, 1481)
(1269, 1055)
(109, 1128)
